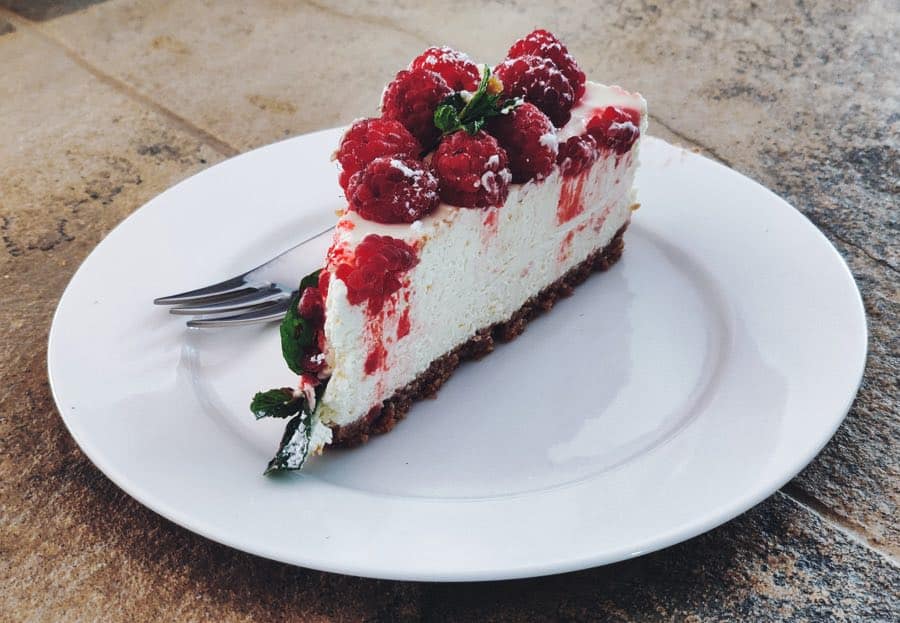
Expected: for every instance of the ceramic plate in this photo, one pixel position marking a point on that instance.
(665, 397)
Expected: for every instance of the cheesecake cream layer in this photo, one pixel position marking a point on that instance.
(476, 268)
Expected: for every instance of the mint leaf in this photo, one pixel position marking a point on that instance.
(473, 126)
(279, 403)
(294, 446)
(297, 334)
(445, 118)
(455, 113)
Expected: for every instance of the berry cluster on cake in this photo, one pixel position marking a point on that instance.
(477, 199)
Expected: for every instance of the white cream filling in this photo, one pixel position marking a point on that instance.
(471, 273)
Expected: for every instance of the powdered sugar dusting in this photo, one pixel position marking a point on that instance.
(410, 173)
(550, 140)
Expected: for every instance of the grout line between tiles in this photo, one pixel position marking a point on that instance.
(694, 142)
(853, 532)
(176, 120)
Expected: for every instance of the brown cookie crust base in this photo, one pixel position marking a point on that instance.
(382, 418)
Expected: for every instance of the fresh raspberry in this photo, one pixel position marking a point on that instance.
(375, 269)
(530, 142)
(472, 170)
(577, 154)
(544, 44)
(453, 66)
(311, 305)
(540, 82)
(314, 362)
(393, 190)
(615, 128)
(368, 139)
(411, 99)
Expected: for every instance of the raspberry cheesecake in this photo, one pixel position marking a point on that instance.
(477, 199)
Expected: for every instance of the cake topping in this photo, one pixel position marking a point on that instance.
(393, 190)
(545, 45)
(615, 128)
(412, 99)
(470, 111)
(368, 139)
(472, 170)
(523, 133)
(540, 82)
(456, 68)
(577, 154)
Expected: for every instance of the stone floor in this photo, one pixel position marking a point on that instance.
(104, 104)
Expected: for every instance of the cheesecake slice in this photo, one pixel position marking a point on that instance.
(475, 201)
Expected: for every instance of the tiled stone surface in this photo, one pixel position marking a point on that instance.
(253, 73)
(137, 95)
(76, 156)
(46, 9)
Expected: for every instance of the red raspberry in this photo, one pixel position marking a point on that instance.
(544, 44)
(368, 139)
(615, 128)
(411, 99)
(313, 362)
(472, 170)
(311, 305)
(453, 66)
(393, 190)
(577, 154)
(374, 272)
(540, 82)
(530, 142)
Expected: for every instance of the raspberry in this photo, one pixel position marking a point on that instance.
(577, 154)
(472, 170)
(368, 139)
(540, 82)
(393, 190)
(311, 305)
(411, 99)
(530, 142)
(455, 67)
(374, 272)
(546, 45)
(313, 362)
(615, 128)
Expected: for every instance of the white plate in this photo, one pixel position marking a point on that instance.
(665, 397)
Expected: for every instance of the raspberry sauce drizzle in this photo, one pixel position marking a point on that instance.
(374, 274)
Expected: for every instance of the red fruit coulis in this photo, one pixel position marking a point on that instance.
(374, 273)
(571, 197)
(403, 325)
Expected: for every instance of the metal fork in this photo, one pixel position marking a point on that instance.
(261, 294)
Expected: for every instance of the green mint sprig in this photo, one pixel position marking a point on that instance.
(456, 113)
(297, 335)
(279, 403)
(294, 448)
